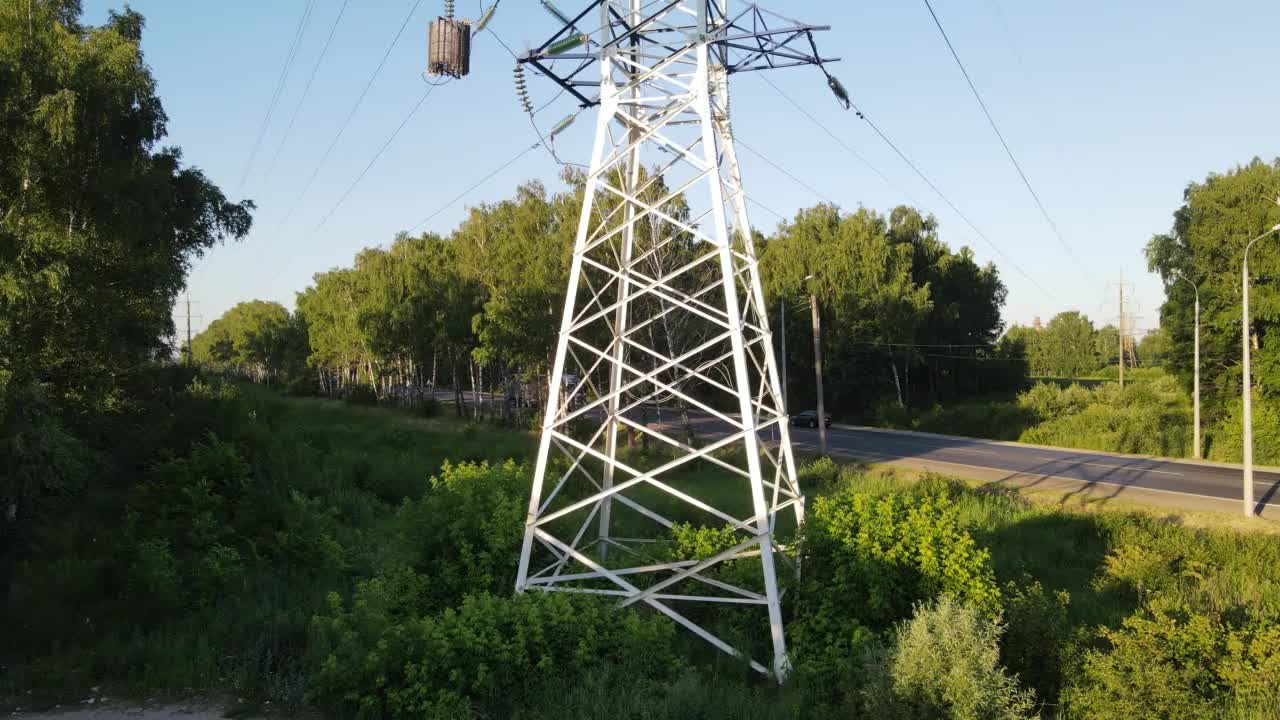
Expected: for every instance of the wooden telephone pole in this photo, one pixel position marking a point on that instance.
(188, 316)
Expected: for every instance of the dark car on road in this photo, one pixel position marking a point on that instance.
(809, 419)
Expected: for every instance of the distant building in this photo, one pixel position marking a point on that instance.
(1036, 323)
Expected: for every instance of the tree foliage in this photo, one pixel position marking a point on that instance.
(1206, 245)
(99, 223)
(893, 299)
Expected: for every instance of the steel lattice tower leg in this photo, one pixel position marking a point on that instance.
(664, 305)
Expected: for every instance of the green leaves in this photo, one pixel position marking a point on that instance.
(1206, 245)
(97, 227)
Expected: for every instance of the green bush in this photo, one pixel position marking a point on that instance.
(1151, 418)
(465, 532)
(183, 527)
(1224, 441)
(944, 663)
(1171, 662)
(1037, 637)
(868, 559)
(484, 657)
(818, 474)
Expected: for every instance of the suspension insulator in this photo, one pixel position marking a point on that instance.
(556, 12)
(448, 9)
(562, 126)
(567, 44)
(522, 92)
(485, 18)
(838, 89)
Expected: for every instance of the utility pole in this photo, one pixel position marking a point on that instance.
(1124, 325)
(1196, 440)
(1122, 335)
(188, 316)
(782, 352)
(817, 371)
(664, 88)
(1247, 385)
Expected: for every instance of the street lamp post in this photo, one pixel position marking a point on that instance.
(1196, 440)
(1248, 383)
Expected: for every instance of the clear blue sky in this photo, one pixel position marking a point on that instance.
(1112, 107)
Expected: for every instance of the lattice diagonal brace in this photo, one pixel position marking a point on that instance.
(664, 314)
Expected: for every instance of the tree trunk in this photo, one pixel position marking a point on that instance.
(457, 387)
(896, 382)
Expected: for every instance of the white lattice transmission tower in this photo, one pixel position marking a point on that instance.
(664, 331)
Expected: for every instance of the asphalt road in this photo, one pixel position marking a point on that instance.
(1199, 485)
(1189, 484)
(1201, 480)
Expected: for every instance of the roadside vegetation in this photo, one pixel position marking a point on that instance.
(1151, 415)
(360, 561)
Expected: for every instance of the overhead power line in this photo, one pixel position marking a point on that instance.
(414, 111)
(368, 166)
(352, 113)
(306, 90)
(818, 193)
(839, 141)
(1008, 151)
(279, 90)
(474, 186)
(959, 213)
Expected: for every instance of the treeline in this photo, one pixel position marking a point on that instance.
(905, 318)
(99, 223)
(1071, 347)
(1206, 246)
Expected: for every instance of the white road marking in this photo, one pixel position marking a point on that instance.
(943, 447)
(1105, 465)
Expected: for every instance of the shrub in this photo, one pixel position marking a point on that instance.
(887, 552)
(182, 525)
(1151, 418)
(1168, 661)
(1037, 637)
(465, 532)
(867, 560)
(1226, 439)
(944, 663)
(818, 474)
(483, 657)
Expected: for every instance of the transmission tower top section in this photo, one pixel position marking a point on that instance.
(746, 38)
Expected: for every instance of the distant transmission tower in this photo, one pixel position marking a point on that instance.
(1128, 352)
(665, 307)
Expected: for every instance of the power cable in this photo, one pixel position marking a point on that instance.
(476, 185)
(351, 187)
(279, 90)
(784, 171)
(306, 90)
(840, 141)
(352, 113)
(959, 213)
(374, 159)
(1008, 151)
